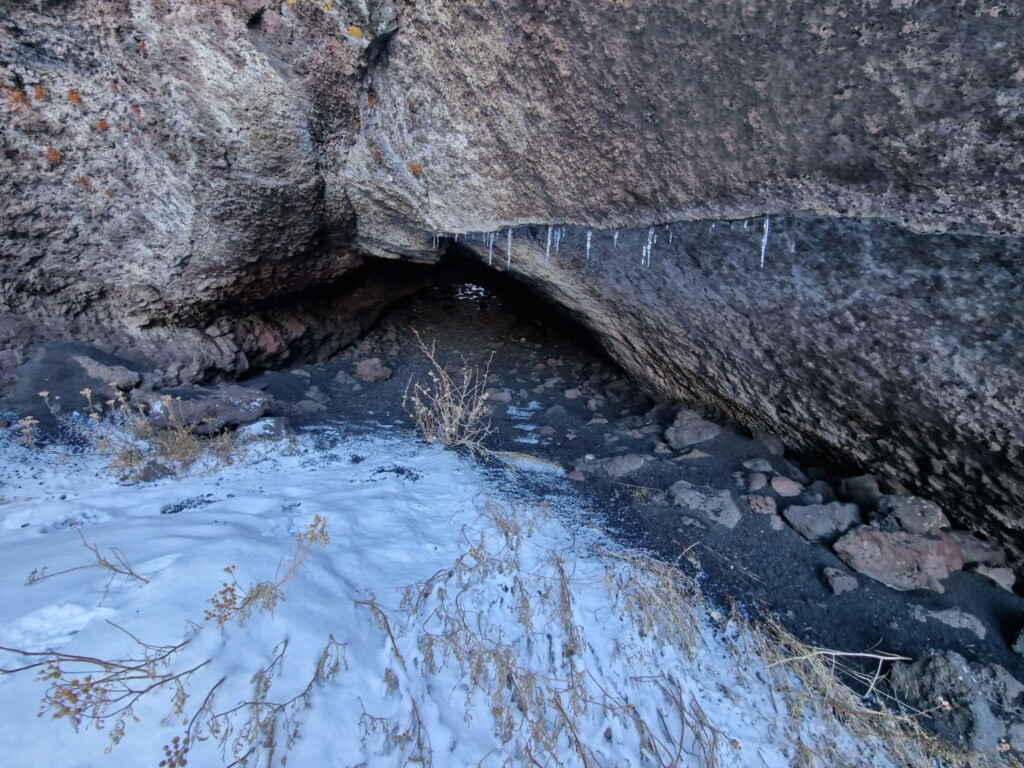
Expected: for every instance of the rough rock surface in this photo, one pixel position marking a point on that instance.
(717, 505)
(195, 184)
(969, 704)
(898, 559)
(818, 522)
(910, 513)
(688, 429)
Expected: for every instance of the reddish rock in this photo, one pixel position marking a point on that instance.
(899, 559)
(786, 487)
(372, 369)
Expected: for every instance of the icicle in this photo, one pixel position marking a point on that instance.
(670, 237)
(648, 248)
(764, 240)
(746, 225)
(547, 250)
(590, 236)
(615, 239)
(558, 239)
(456, 237)
(490, 248)
(508, 247)
(435, 241)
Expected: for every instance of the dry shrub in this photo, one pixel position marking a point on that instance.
(452, 408)
(833, 686)
(134, 445)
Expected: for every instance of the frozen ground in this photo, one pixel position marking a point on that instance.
(444, 624)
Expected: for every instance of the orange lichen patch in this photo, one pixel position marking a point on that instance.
(74, 97)
(141, 46)
(410, 104)
(85, 182)
(14, 97)
(355, 31)
(415, 168)
(376, 154)
(114, 86)
(371, 99)
(53, 155)
(136, 109)
(102, 125)
(40, 93)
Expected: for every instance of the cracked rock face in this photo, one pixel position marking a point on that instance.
(835, 192)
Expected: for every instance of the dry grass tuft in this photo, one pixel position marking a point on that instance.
(833, 686)
(135, 447)
(452, 408)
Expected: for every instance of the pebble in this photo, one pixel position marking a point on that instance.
(763, 505)
(571, 394)
(759, 465)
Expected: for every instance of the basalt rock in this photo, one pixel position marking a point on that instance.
(805, 217)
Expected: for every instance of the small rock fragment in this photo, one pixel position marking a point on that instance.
(762, 505)
(838, 581)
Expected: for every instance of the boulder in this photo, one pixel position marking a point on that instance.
(822, 522)
(205, 410)
(899, 559)
(909, 513)
(717, 505)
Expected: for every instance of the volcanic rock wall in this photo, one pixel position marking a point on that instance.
(197, 184)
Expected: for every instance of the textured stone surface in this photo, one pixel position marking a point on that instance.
(717, 505)
(910, 513)
(209, 212)
(898, 559)
(981, 698)
(817, 522)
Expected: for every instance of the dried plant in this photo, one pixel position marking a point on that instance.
(833, 687)
(118, 566)
(133, 445)
(452, 408)
(234, 601)
(94, 690)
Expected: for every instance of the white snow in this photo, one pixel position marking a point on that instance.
(468, 628)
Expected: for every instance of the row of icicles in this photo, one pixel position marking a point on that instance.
(556, 235)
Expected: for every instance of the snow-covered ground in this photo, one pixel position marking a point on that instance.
(445, 623)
